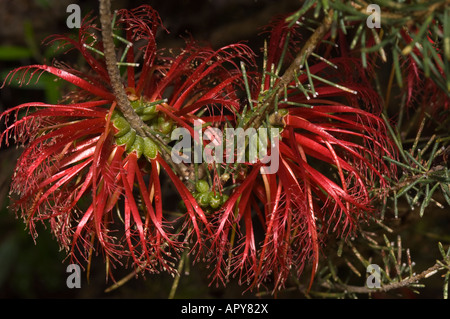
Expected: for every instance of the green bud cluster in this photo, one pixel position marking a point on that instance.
(125, 135)
(206, 198)
(157, 121)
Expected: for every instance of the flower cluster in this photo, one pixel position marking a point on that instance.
(97, 181)
(332, 141)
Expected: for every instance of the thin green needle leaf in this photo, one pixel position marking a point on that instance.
(446, 27)
(398, 72)
(343, 88)
(294, 18)
(408, 49)
(409, 168)
(395, 205)
(363, 54)
(428, 197)
(280, 61)
(324, 60)
(409, 186)
(441, 250)
(325, 5)
(415, 161)
(334, 25)
(264, 66)
(298, 104)
(285, 93)
(342, 26)
(436, 57)
(300, 86)
(419, 133)
(445, 192)
(128, 64)
(422, 152)
(446, 283)
(308, 73)
(424, 202)
(93, 49)
(432, 155)
(247, 87)
(357, 35)
(397, 142)
(381, 44)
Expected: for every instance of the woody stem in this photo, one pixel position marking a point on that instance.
(113, 71)
(289, 74)
(123, 103)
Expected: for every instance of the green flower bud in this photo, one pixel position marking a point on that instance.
(150, 110)
(122, 125)
(283, 112)
(202, 186)
(138, 146)
(127, 139)
(161, 119)
(115, 114)
(148, 117)
(204, 199)
(150, 149)
(136, 104)
(215, 200)
(165, 127)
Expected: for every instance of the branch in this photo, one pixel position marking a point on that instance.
(400, 14)
(111, 65)
(395, 285)
(123, 102)
(305, 52)
(289, 74)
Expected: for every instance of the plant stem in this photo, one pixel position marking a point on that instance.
(123, 102)
(178, 275)
(395, 285)
(124, 280)
(111, 65)
(290, 74)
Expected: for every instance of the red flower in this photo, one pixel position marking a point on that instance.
(88, 173)
(330, 157)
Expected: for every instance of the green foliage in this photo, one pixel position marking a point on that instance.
(423, 170)
(412, 34)
(419, 29)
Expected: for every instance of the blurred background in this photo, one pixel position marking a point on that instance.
(31, 269)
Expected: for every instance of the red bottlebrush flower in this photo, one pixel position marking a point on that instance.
(88, 173)
(331, 148)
